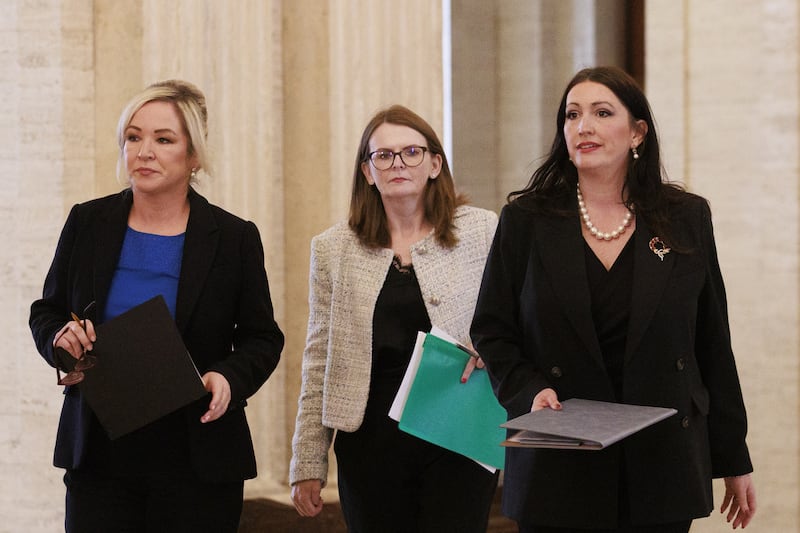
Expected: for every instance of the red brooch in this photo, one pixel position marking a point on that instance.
(659, 248)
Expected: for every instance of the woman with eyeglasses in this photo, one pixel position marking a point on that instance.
(158, 236)
(410, 256)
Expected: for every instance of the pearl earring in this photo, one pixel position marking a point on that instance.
(635, 153)
(193, 175)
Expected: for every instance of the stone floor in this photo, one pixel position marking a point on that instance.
(262, 515)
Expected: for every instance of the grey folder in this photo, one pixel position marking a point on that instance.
(582, 424)
(143, 369)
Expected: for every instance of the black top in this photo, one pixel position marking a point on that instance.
(534, 328)
(399, 314)
(610, 292)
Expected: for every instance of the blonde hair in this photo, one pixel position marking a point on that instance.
(189, 102)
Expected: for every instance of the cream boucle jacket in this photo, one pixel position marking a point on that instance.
(344, 281)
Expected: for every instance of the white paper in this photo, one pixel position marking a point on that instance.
(399, 403)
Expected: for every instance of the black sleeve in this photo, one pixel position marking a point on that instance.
(50, 313)
(257, 339)
(497, 328)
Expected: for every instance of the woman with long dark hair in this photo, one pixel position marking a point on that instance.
(603, 283)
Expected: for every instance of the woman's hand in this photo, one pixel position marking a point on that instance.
(220, 390)
(474, 362)
(546, 398)
(739, 500)
(74, 338)
(306, 496)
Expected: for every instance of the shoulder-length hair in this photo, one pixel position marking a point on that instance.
(646, 190)
(367, 217)
(189, 102)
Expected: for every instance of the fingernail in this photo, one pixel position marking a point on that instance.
(463, 380)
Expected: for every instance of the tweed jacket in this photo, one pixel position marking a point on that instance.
(534, 328)
(344, 282)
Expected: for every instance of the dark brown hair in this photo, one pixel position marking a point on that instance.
(551, 188)
(367, 216)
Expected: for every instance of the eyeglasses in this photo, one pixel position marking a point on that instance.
(411, 156)
(86, 361)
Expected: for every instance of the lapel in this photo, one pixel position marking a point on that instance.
(199, 251)
(650, 275)
(109, 233)
(561, 247)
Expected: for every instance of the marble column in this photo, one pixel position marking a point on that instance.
(722, 78)
(511, 61)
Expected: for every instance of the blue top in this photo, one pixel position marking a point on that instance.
(149, 265)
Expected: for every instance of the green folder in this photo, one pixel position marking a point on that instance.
(462, 417)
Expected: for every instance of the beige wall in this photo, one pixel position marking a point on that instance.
(291, 83)
(722, 77)
(511, 60)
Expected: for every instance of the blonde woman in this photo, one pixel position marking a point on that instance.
(185, 471)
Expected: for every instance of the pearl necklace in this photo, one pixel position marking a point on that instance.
(596, 232)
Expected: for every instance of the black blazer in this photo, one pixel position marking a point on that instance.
(224, 313)
(534, 329)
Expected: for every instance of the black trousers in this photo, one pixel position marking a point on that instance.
(97, 503)
(624, 520)
(390, 481)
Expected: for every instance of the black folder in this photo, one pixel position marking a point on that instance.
(582, 424)
(142, 371)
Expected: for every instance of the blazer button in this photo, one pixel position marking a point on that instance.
(556, 372)
(685, 422)
(434, 300)
(680, 364)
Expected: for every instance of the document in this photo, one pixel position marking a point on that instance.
(434, 405)
(582, 424)
(142, 370)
